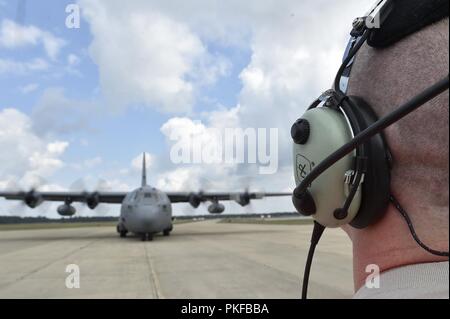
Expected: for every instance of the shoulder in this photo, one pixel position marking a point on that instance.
(419, 281)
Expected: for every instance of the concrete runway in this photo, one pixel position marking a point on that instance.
(199, 260)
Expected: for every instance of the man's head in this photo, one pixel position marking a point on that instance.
(419, 143)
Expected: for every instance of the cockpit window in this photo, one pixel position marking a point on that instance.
(148, 198)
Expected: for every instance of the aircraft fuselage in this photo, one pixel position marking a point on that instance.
(144, 212)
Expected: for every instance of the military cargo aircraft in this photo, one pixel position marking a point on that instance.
(145, 211)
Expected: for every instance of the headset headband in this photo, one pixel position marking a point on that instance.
(407, 17)
(391, 21)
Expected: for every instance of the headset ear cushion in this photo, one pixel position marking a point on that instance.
(376, 185)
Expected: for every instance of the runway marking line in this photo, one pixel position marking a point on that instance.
(153, 275)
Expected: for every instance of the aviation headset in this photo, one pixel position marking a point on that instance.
(352, 185)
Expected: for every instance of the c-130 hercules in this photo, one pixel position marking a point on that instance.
(145, 211)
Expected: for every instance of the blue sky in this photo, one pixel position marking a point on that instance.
(138, 126)
(87, 102)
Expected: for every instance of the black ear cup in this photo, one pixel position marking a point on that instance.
(376, 185)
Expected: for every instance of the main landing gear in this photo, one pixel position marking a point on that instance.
(122, 231)
(166, 232)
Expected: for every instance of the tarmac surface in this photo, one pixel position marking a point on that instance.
(199, 260)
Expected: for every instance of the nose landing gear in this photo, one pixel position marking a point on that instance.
(147, 236)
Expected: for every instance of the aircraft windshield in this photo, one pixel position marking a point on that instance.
(148, 198)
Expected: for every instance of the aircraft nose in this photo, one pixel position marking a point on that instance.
(147, 217)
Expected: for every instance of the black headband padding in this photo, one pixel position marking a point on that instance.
(377, 179)
(407, 17)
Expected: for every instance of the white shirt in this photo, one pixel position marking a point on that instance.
(419, 281)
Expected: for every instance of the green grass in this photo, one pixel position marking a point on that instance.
(266, 221)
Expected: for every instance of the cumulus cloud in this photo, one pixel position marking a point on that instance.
(296, 48)
(14, 35)
(27, 161)
(28, 155)
(136, 163)
(147, 57)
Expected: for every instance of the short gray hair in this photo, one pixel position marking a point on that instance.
(388, 77)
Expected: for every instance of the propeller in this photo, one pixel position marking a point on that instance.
(78, 186)
(244, 199)
(91, 196)
(93, 200)
(32, 198)
(196, 198)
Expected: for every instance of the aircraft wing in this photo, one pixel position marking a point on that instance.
(242, 198)
(36, 197)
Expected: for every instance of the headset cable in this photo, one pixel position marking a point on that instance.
(315, 237)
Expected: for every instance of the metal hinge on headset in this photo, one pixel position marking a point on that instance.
(359, 26)
(373, 19)
(324, 97)
(350, 175)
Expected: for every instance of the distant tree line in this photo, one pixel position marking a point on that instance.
(221, 216)
(42, 220)
(93, 219)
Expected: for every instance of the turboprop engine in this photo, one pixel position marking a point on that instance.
(66, 210)
(216, 208)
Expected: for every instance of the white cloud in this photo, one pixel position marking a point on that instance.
(294, 57)
(136, 163)
(13, 35)
(28, 156)
(73, 61)
(29, 88)
(92, 183)
(145, 56)
(132, 173)
(9, 66)
(115, 185)
(57, 148)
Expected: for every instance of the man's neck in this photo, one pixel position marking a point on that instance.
(389, 244)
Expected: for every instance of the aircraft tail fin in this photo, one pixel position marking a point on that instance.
(144, 171)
